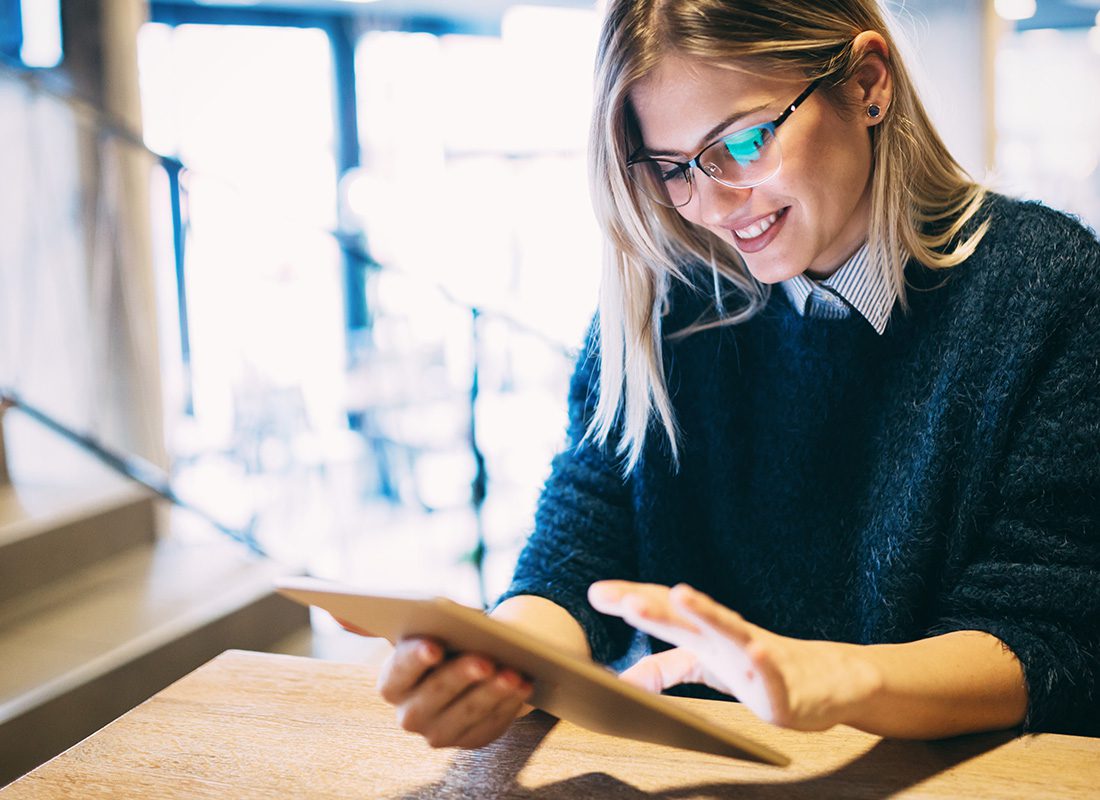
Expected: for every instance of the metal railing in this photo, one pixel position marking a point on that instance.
(132, 467)
(352, 248)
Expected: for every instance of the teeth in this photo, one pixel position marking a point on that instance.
(757, 228)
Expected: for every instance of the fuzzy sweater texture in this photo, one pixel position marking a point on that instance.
(839, 485)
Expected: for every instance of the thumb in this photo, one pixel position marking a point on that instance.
(662, 670)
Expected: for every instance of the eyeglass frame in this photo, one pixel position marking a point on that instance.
(685, 166)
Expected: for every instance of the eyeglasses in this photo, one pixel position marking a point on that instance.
(739, 160)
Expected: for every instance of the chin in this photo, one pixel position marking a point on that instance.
(771, 273)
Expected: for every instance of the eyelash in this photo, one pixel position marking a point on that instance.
(751, 137)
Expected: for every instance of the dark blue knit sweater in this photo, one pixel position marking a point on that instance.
(835, 484)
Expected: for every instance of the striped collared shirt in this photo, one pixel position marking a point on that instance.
(854, 285)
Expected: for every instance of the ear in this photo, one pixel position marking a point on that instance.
(871, 86)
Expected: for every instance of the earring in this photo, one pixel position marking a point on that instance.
(873, 111)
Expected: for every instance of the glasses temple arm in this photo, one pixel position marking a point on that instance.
(798, 101)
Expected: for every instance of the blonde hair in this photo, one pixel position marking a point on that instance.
(921, 198)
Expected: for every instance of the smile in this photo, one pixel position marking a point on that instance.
(757, 228)
(756, 236)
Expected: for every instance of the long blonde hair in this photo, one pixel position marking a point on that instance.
(920, 196)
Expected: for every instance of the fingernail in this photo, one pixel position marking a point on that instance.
(426, 652)
(479, 670)
(508, 680)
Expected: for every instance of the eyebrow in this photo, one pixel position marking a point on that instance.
(709, 136)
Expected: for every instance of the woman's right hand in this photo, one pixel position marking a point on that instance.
(458, 701)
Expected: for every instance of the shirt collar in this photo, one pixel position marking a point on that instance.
(866, 290)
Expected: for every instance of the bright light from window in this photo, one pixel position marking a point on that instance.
(41, 33)
(1094, 38)
(545, 22)
(1015, 9)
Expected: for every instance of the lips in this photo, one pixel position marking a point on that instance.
(756, 228)
(756, 234)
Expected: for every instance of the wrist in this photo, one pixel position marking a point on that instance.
(546, 620)
(955, 683)
(864, 684)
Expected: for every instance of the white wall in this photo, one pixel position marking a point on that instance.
(945, 52)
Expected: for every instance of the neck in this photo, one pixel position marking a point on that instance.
(821, 274)
(851, 238)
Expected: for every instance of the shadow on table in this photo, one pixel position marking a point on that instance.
(889, 767)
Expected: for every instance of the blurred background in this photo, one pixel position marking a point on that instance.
(339, 216)
(327, 263)
(315, 273)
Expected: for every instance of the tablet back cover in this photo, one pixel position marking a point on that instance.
(573, 689)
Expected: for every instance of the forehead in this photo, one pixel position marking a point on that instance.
(682, 99)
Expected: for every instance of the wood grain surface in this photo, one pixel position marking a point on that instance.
(250, 725)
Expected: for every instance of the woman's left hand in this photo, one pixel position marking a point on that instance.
(795, 683)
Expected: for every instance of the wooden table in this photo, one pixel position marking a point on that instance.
(248, 725)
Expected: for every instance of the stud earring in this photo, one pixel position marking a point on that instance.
(873, 111)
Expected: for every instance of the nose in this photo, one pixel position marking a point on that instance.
(716, 202)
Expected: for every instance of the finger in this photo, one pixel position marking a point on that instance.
(421, 710)
(607, 596)
(353, 628)
(406, 666)
(493, 726)
(677, 635)
(661, 670)
(500, 717)
(471, 707)
(708, 615)
(638, 602)
(661, 622)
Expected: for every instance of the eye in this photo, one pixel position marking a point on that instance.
(669, 171)
(745, 146)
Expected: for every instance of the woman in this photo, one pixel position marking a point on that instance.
(840, 397)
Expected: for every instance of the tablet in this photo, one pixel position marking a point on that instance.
(571, 688)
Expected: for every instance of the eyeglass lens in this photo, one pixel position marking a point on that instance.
(742, 159)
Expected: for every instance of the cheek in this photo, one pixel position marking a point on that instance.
(849, 170)
(832, 155)
(690, 213)
(829, 180)
(852, 166)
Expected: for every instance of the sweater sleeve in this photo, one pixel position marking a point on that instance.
(1034, 578)
(583, 524)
